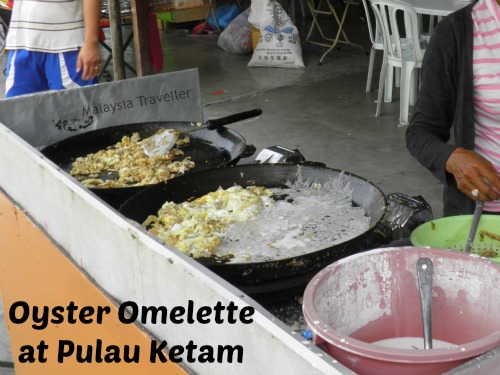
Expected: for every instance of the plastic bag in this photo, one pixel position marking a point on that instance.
(237, 37)
(225, 14)
(279, 42)
(257, 8)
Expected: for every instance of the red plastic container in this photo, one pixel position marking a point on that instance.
(374, 295)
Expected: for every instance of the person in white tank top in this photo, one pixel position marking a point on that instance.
(52, 45)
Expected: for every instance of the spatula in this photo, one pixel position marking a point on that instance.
(161, 143)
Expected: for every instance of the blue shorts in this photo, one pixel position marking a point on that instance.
(29, 72)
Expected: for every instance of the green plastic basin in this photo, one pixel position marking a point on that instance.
(452, 233)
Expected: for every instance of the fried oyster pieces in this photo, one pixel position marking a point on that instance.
(125, 164)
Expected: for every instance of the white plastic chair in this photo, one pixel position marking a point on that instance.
(432, 21)
(396, 55)
(377, 44)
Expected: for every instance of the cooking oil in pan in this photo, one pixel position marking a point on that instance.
(307, 217)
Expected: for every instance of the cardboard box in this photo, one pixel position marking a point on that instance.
(182, 15)
(255, 37)
(186, 3)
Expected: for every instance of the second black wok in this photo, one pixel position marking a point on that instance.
(279, 274)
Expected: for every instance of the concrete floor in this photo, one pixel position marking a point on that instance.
(321, 110)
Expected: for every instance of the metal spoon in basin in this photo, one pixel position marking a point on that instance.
(475, 223)
(424, 277)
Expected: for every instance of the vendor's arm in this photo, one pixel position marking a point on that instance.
(89, 58)
(445, 100)
(472, 171)
(429, 131)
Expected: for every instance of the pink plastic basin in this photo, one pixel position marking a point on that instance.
(373, 296)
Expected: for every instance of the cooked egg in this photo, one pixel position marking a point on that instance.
(134, 167)
(196, 227)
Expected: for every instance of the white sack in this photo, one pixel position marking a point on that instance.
(279, 42)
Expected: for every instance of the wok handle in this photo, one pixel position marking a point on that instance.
(220, 122)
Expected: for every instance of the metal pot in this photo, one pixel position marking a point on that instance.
(207, 148)
(274, 275)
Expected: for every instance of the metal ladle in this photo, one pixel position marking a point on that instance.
(424, 277)
(475, 223)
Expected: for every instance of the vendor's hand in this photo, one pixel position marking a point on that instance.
(472, 171)
(89, 60)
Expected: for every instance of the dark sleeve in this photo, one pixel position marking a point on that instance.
(428, 134)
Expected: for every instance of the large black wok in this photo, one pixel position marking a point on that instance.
(207, 148)
(275, 275)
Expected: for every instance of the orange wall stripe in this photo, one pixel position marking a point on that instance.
(34, 270)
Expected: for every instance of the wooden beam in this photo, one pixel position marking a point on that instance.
(142, 44)
(115, 25)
